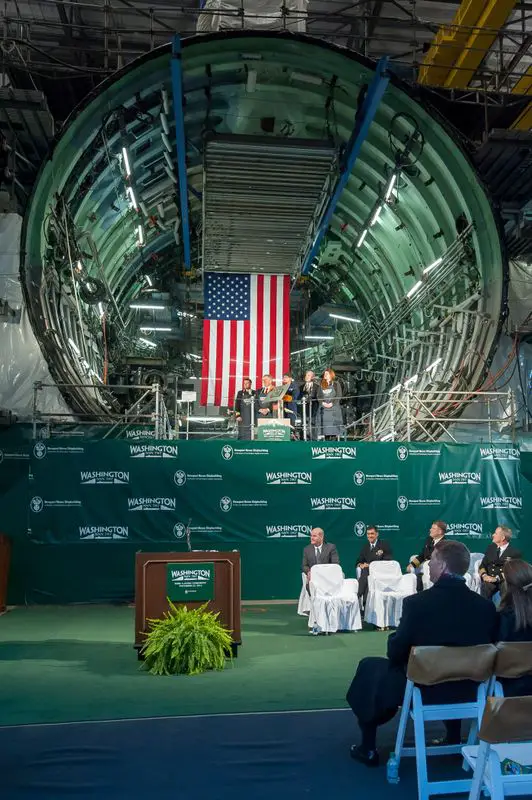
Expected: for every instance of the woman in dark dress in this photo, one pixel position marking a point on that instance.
(515, 618)
(331, 423)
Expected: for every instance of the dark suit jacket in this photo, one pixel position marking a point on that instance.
(492, 565)
(328, 555)
(290, 406)
(514, 687)
(381, 552)
(448, 614)
(426, 553)
(240, 400)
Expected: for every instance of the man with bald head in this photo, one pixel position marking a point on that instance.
(318, 552)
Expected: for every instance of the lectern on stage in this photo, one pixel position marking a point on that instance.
(190, 579)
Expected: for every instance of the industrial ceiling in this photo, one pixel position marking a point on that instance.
(413, 248)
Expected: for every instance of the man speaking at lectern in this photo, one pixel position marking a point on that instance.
(318, 552)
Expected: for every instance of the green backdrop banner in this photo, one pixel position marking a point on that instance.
(254, 492)
(79, 510)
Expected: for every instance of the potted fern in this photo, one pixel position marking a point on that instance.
(186, 642)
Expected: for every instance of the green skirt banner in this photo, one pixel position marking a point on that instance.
(231, 493)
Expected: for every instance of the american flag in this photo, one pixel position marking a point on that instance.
(246, 332)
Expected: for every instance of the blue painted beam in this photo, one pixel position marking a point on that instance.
(181, 147)
(356, 140)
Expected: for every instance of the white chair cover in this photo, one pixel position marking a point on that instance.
(303, 606)
(387, 588)
(474, 564)
(425, 575)
(334, 600)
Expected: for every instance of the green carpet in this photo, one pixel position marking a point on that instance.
(63, 664)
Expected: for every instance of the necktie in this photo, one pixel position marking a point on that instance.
(499, 552)
(318, 551)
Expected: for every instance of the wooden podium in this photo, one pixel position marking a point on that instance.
(5, 558)
(151, 588)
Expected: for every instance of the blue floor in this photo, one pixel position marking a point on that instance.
(277, 756)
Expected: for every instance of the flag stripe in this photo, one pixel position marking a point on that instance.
(281, 366)
(285, 324)
(219, 362)
(272, 369)
(259, 367)
(253, 332)
(266, 325)
(206, 363)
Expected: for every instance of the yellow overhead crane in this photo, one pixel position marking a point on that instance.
(458, 49)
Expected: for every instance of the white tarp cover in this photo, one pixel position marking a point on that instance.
(21, 360)
(267, 15)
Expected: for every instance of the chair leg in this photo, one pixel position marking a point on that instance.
(472, 737)
(403, 720)
(421, 753)
(478, 774)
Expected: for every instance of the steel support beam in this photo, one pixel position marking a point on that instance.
(493, 16)
(362, 125)
(181, 147)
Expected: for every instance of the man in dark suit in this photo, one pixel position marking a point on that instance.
(498, 553)
(375, 549)
(437, 532)
(448, 614)
(318, 552)
(245, 411)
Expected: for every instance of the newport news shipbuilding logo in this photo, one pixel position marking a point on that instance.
(104, 478)
(288, 531)
(360, 528)
(153, 450)
(103, 532)
(503, 503)
(404, 502)
(468, 530)
(360, 478)
(459, 478)
(151, 503)
(181, 477)
(227, 503)
(499, 454)
(403, 452)
(228, 451)
(333, 453)
(333, 503)
(288, 478)
(41, 450)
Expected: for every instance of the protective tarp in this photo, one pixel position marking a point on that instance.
(21, 360)
(520, 296)
(266, 15)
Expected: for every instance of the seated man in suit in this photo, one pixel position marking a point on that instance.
(448, 614)
(437, 532)
(498, 553)
(318, 552)
(375, 549)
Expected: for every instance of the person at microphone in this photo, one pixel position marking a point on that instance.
(245, 410)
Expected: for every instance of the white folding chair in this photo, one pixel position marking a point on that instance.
(303, 606)
(429, 666)
(505, 734)
(387, 587)
(334, 600)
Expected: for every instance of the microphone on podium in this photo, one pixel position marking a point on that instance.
(187, 533)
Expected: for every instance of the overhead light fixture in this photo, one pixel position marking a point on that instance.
(147, 342)
(413, 379)
(125, 160)
(389, 188)
(306, 78)
(148, 280)
(158, 328)
(79, 266)
(194, 356)
(346, 319)
(414, 288)
(303, 350)
(319, 338)
(396, 388)
(433, 365)
(433, 265)
(251, 81)
(387, 437)
(185, 314)
(140, 235)
(376, 215)
(74, 346)
(362, 237)
(147, 306)
(131, 198)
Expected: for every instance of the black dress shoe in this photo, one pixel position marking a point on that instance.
(368, 757)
